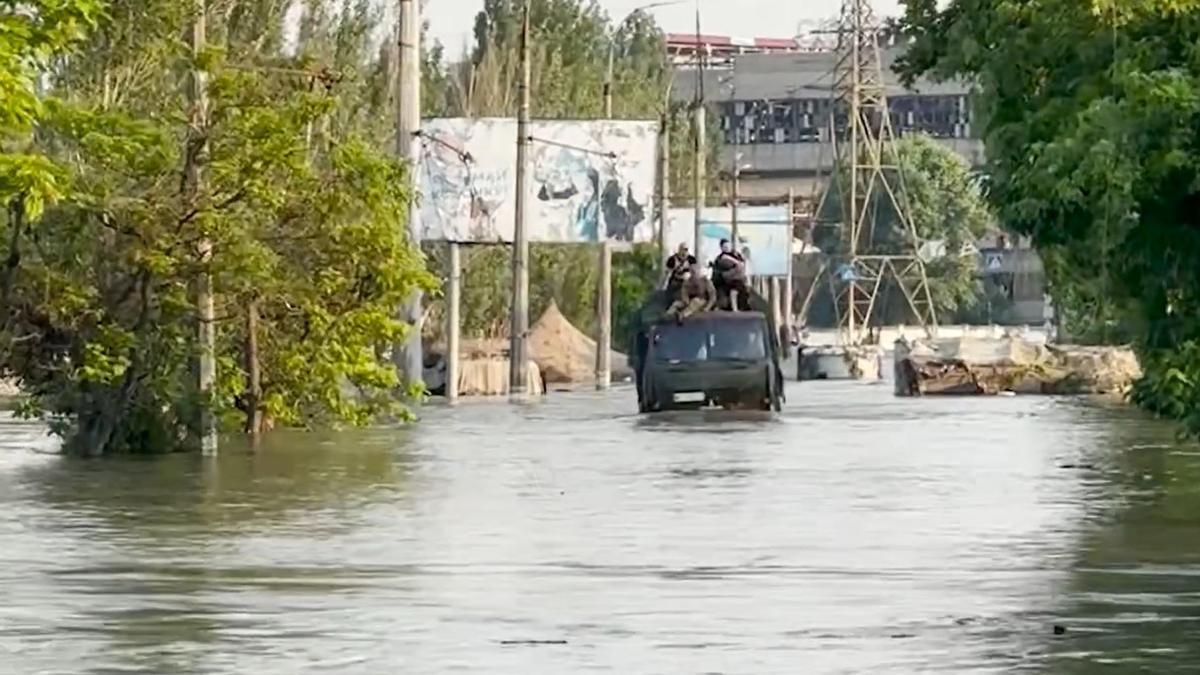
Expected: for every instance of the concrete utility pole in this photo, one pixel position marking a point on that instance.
(734, 198)
(664, 185)
(519, 321)
(604, 287)
(604, 284)
(699, 127)
(604, 318)
(453, 323)
(608, 82)
(194, 157)
(698, 163)
(407, 356)
(788, 281)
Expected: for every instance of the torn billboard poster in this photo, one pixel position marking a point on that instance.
(764, 236)
(588, 180)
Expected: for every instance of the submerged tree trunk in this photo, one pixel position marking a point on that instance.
(16, 221)
(254, 416)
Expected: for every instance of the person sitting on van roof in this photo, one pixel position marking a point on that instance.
(729, 277)
(695, 295)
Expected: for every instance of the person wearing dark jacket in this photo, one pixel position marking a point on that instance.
(676, 267)
(729, 277)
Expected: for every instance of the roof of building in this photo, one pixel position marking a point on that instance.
(800, 75)
(692, 40)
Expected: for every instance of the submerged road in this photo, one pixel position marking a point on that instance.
(855, 533)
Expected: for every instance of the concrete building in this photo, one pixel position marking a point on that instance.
(720, 50)
(773, 101)
(774, 110)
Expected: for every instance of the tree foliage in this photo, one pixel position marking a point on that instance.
(302, 210)
(944, 203)
(30, 39)
(1092, 126)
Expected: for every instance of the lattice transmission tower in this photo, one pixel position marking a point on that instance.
(870, 187)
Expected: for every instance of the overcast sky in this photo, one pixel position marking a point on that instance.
(450, 20)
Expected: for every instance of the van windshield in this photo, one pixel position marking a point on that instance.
(713, 340)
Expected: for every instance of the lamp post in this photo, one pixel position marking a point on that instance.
(604, 299)
(612, 45)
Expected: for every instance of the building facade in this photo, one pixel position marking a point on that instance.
(776, 110)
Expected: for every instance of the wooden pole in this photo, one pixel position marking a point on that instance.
(194, 157)
(453, 323)
(253, 373)
(519, 321)
(407, 356)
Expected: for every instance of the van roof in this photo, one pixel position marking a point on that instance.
(722, 316)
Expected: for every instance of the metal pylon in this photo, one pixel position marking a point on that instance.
(869, 165)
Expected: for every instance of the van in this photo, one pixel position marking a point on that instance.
(725, 359)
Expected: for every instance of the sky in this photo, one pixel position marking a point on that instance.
(450, 20)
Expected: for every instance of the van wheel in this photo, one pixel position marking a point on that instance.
(649, 402)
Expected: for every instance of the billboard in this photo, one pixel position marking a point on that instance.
(764, 235)
(588, 180)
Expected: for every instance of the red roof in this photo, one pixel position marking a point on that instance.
(775, 43)
(691, 39)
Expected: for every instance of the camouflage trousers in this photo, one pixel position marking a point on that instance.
(682, 309)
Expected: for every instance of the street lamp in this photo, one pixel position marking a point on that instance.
(608, 78)
(735, 176)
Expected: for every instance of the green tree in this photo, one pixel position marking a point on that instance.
(944, 202)
(301, 208)
(30, 39)
(1091, 118)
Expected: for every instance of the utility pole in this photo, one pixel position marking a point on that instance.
(604, 317)
(453, 322)
(608, 82)
(519, 321)
(699, 126)
(734, 198)
(664, 184)
(788, 281)
(407, 356)
(195, 154)
(604, 285)
(698, 163)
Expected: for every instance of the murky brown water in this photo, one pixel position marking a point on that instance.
(857, 533)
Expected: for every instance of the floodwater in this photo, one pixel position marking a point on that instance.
(855, 533)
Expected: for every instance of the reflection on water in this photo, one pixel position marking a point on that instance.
(854, 533)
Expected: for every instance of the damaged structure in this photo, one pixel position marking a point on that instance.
(980, 366)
